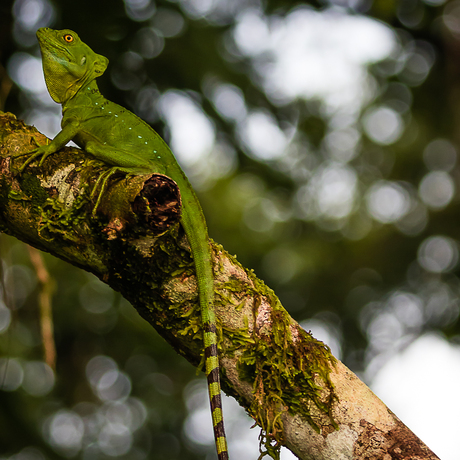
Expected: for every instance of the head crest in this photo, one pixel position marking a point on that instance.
(68, 63)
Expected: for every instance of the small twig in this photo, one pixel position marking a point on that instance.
(44, 297)
(5, 301)
(5, 86)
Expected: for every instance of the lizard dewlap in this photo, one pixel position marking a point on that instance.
(127, 144)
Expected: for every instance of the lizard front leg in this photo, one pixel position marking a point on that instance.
(43, 151)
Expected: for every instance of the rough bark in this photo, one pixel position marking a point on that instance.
(299, 394)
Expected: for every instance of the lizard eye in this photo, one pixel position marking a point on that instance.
(68, 38)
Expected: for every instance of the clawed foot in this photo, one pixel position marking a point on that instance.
(102, 179)
(40, 151)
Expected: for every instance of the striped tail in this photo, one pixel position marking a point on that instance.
(195, 228)
(212, 373)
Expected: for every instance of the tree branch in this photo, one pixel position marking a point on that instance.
(299, 394)
(44, 305)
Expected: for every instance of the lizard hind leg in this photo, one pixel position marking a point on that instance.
(102, 179)
(105, 176)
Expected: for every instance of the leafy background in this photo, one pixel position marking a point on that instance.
(322, 139)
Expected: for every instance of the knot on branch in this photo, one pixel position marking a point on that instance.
(152, 201)
(158, 204)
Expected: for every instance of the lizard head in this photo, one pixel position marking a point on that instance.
(68, 63)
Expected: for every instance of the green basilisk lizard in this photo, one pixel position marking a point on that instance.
(127, 144)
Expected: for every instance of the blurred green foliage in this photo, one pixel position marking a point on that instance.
(322, 140)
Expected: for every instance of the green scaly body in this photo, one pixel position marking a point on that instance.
(125, 142)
